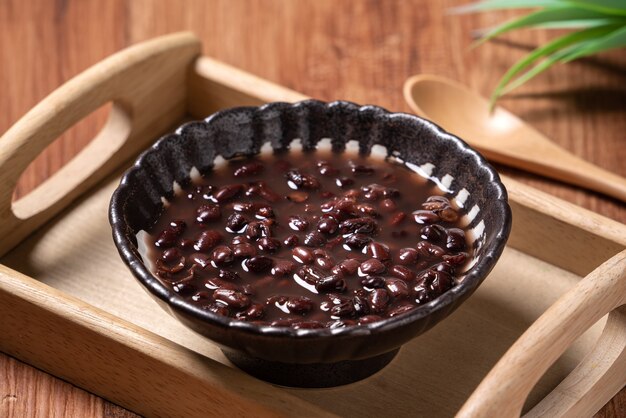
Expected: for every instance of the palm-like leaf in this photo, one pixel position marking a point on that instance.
(601, 24)
(544, 51)
(555, 15)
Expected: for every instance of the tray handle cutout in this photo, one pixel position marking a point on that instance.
(147, 85)
(600, 375)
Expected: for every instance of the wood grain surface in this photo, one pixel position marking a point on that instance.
(356, 50)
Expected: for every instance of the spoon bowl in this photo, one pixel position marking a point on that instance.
(503, 137)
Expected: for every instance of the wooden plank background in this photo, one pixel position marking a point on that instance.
(359, 50)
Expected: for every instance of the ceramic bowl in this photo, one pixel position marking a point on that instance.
(312, 357)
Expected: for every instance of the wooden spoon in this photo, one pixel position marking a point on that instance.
(501, 136)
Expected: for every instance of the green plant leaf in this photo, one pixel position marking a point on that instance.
(571, 24)
(601, 26)
(616, 39)
(503, 4)
(581, 24)
(549, 48)
(609, 7)
(539, 68)
(613, 7)
(555, 14)
(613, 40)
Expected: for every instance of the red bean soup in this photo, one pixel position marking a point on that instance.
(309, 240)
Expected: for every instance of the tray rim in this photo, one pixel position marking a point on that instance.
(20, 290)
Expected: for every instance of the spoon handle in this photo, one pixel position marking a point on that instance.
(545, 158)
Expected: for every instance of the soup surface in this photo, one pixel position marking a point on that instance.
(309, 240)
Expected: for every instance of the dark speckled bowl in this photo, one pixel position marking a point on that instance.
(311, 357)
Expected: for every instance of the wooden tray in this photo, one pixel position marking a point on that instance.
(70, 307)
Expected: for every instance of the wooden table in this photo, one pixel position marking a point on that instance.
(329, 49)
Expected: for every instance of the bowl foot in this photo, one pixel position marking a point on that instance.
(314, 375)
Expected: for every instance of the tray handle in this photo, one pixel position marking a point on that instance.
(592, 383)
(146, 84)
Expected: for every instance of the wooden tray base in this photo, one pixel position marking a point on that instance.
(432, 375)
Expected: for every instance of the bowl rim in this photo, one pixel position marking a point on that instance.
(150, 282)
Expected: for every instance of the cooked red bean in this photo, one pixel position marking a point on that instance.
(236, 223)
(433, 233)
(218, 308)
(249, 169)
(455, 239)
(425, 217)
(397, 219)
(262, 190)
(325, 263)
(298, 197)
(310, 274)
(402, 272)
(186, 244)
(256, 311)
(373, 282)
(332, 283)
(170, 255)
(240, 239)
(172, 267)
(327, 225)
(388, 205)
(299, 180)
(378, 300)
(341, 323)
(431, 250)
(362, 170)
(283, 268)
(307, 325)
(347, 267)
(314, 239)
(436, 203)
(372, 266)
(358, 226)
(232, 298)
(265, 212)
(399, 310)
(259, 264)
(343, 310)
(268, 244)
(368, 319)
(167, 238)
(325, 168)
(302, 255)
(200, 259)
(448, 215)
(244, 250)
(298, 223)
(397, 288)
(207, 240)
(227, 192)
(407, 256)
(361, 306)
(357, 241)
(365, 209)
(299, 305)
(378, 251)
(222, 255)
(455, 259)
(291, 240)
(208, 213)
(344, 182)
(346, 207)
